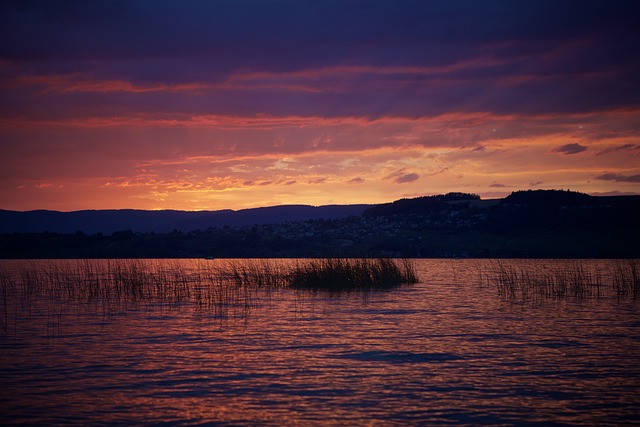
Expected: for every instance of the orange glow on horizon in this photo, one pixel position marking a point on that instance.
(222, 161)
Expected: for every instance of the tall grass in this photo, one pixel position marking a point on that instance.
(235, 287)
(626, 278)
(7, 289)
(224, 288)
(344, 274)
(527, 281)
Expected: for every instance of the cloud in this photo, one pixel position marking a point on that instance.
(497, 185)
(43, 185)
(409, 177)
(535, 183)
(438, 172)
(396, 84)
(400, 177)
(625, 147)
(394, 58)
(569, 149)
(614, 193)
(619, 177)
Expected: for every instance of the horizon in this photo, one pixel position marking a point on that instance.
(247, 104)
(611, 194)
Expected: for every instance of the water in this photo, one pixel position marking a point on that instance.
(447, 351)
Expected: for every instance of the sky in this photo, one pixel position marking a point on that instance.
(206, 105)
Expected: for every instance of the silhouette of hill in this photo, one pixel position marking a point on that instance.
(421, 205)
(109, 221)
(563, 210)
(549, 198)
(542, 224)
(531, 209)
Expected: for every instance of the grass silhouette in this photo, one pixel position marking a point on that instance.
(344, 274)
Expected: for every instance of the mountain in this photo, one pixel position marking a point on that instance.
(110, 221)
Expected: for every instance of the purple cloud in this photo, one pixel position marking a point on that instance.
(400, 177)
(570, 149)
(625, 147)
(619, 177)
(410, 177)
(410, 52)
(356, 180)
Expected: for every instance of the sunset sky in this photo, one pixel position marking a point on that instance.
(210, 105)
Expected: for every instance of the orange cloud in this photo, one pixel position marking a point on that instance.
(216, 162)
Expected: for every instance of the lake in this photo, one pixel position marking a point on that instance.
(453, 349)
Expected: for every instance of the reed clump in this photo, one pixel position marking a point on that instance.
(343, 274)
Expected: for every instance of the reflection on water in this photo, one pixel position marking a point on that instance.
(448, 350)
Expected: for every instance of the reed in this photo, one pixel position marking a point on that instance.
(342, 274)
(566, 280)
(626, 278)
(230, 287)
(235, 287)
(7, 289)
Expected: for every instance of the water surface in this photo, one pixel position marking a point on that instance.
(446, 351)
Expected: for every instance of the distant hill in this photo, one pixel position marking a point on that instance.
(549, 198)
(521, 209)
(564, 210)
(109, 221)
(525, 224)
(418, 205)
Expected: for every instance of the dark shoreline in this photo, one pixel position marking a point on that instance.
(526, 224)
(610, 244)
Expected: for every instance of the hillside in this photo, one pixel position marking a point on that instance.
(544, 224)
(110, 221)
(521, 210)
